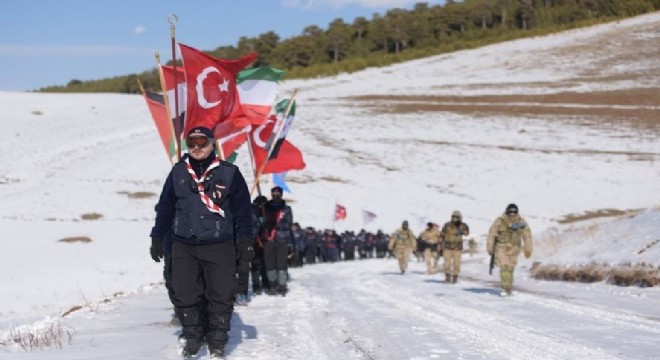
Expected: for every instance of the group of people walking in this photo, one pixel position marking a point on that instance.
(507, 237)
(213, 240)
(434, 242)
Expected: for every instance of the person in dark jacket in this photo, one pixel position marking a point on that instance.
(299, 245)
(279, 219)
(258, 269)
(206, 204)
(312, 245)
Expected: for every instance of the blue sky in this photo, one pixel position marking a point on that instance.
(44, 42)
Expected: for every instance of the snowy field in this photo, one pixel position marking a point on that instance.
(561, 125)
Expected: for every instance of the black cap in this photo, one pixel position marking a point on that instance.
(276, 189)
(512, 208)
(201, 131)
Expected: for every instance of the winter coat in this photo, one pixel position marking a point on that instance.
(279, 219)
(181, 210)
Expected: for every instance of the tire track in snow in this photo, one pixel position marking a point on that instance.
(491, 334)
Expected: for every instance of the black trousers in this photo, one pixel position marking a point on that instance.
(258, 270)
(167, 275)
(204, 272)
(275, 255)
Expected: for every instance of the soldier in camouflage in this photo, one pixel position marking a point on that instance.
(506, 236)
(402, 243)
(452, 242)
(430, 238)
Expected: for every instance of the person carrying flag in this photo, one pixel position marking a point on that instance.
(206, 204)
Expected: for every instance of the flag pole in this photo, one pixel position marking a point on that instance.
(254, 167)
(166, 99)
(144, 94)
(172, 20)
(272, 146)
(221, 152)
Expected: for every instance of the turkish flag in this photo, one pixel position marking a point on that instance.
(340, 212)
(288, 158)
(232, 133)
(211, 87)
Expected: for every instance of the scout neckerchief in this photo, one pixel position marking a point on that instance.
(279, 215)
(213, 207)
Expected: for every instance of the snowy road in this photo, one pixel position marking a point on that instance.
(367, 310)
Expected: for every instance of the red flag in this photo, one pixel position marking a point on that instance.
(288, 158)
(211, 85)
(232, 134)
(167, 73)
(158, 111)
(340, 212)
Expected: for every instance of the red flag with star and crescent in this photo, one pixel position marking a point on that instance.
(288, 158)
(211, 86)
(340, 212)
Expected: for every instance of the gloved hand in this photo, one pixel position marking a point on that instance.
(490, 252)
(156, 249)
(244, 254)
(528, 253)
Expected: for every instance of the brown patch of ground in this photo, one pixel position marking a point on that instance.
(75, 239)
(636, 275)
(91, 216)
(634, 107)
(637, 156)
(138, 194)
(590, 215)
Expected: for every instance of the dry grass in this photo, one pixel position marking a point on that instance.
(635, 275)
(639, 107)
(590, 215)
(138, 194)
(91, 216)
(54, 335)
(75, 239)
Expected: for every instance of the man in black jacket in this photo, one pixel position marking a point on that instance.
(279, 219)
(206, 204)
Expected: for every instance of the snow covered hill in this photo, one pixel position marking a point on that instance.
(561, 125)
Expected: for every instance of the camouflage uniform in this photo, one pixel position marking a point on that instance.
(431, 238)
(452, 242)
(509, 231)
(402, 243)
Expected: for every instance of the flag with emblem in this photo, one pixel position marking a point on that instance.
(340, 212)
(289, 157)
(211, 87)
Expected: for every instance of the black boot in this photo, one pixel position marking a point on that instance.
(273, 288)
(193, 333)
(217, 353)
(282, 290)
(217, 336)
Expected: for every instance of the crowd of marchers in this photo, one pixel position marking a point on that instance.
(213, 239)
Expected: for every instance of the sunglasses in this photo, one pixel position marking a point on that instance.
(197, 141)
(511, 212)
